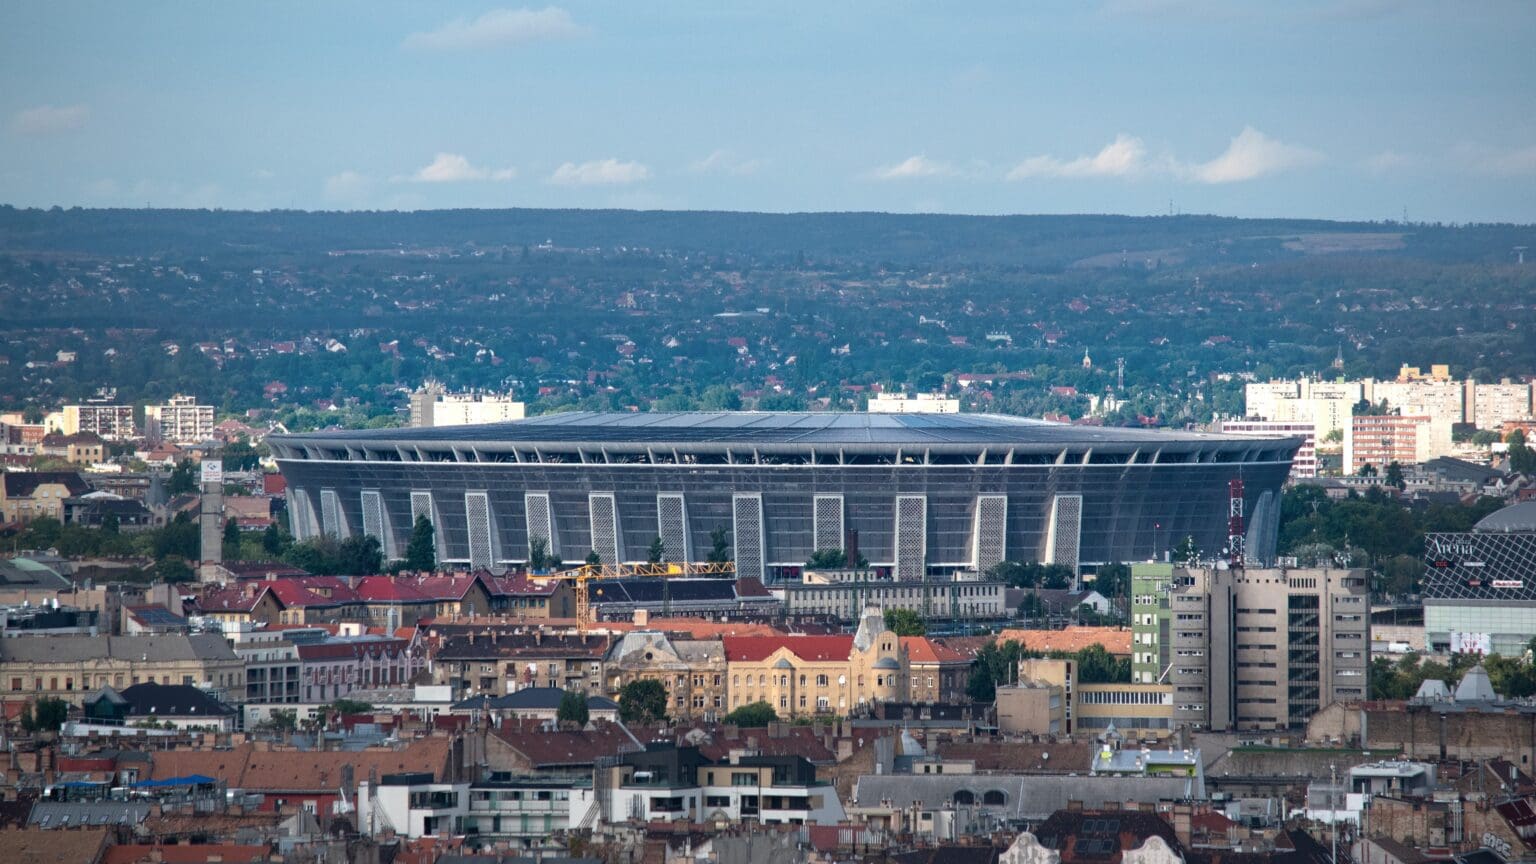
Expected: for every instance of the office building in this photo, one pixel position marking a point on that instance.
(1266, 649)
(1304, 466)
(1151, 585)
(111, 422)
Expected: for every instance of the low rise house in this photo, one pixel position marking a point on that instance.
(174, 705)
(28, 495)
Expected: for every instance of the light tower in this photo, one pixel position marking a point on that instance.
(1520, 254)
(1236, 536)
(210, 517)
(1119, 373)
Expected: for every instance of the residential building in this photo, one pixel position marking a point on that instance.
(534, 703)
(1145, 710)
(332, 669)
(935, 672)
(1493, 405)
(671, 783)
(1151, 647)
(179, 706)
(919, 403)
(1379, 440)
(1266, 649)
(79, 448)
(692, 670)
(528, 811)
(273, 671)
(496, 662)
(804, 675)
(28, 495)
(179, 421)
(1439, 399)
(1325, 406)
(1031, 708)
(1304, 466)
(112, 422)
(412, 805)
(845, 594)
(432, 406)
(72, 667)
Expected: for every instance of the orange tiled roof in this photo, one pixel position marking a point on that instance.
(921, 649)
(1115, 640)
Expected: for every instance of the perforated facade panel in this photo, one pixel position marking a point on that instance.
(540, 522)
(747, 523)
(604, 517)
(829, 522)
(477, 516)
(330, 514)
(672, 526)
(911, 537)
(1064, 538)
(376, 523)
(991, 531)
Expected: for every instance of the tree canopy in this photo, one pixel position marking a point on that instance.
(643, 702)
(752, 714)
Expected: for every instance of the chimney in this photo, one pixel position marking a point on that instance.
(642, 618)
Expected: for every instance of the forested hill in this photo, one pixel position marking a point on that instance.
(1040, 243)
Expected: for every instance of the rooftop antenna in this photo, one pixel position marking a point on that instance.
(1235, 533)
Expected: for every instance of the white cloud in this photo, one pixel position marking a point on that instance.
(453, 168)
(1251, 155)
(1123, 157)
(348, 186)
(914, 167)
(1388, 161)
(499, 28)
(1507, 162)
(599, 172)
(726, 162)
(50, 119)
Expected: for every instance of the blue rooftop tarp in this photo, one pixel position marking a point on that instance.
(189, 780)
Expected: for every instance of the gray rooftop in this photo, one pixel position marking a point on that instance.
(761, 428)
(1026, 797)
(1516, 518)
(75, 649)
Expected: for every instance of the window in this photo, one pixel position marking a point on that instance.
(821, 681)
(15, 684)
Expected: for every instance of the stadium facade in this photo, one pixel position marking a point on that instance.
(926, 493)
(1479, 586)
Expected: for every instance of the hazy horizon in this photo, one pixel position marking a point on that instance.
(1348, 110)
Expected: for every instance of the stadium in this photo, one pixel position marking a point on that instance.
(926, 493)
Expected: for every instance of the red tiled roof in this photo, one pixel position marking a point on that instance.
(330, 650)
(755, 648)
(921, 649)
(543, 748)
(388, 589)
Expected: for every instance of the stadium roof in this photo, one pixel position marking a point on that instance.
(1516, 518)
(768, 431)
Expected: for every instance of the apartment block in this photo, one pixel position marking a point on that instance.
(1442, 400)
(1151, 584)
(1493, 405)
(1305, 464)
(112, 422)
(179, 421)
(1266, 649)
(432, 406)
(921, 403)
(1381, 439)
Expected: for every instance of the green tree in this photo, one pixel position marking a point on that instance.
(421, 551)
(833, 559)
(981, 687)
(1522, 458)
(1095, 665)
(360, 556)
(656, 551)
(753, 714)
(594, 559)
(1395, 475)
(1187, 552)
(643, 702)
(231, 540)
(281, 721)
(110, 524)
(719, 549)
(905, 622)
(1368, 470)
(573, 709)
(47, 714)
(183, 479)
(349, 706)
(538, 554)
(173, 569)
(272, 540)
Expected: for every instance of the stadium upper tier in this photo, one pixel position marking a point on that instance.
(748, 437)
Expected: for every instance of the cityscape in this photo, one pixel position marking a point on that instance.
(411, 490)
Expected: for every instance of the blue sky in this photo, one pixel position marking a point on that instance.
(1348, 109)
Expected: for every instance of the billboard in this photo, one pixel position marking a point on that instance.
(213, 471)
(1471, 643)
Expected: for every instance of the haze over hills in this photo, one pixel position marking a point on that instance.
(611, 309)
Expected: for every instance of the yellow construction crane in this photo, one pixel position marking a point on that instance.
(579, 577)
